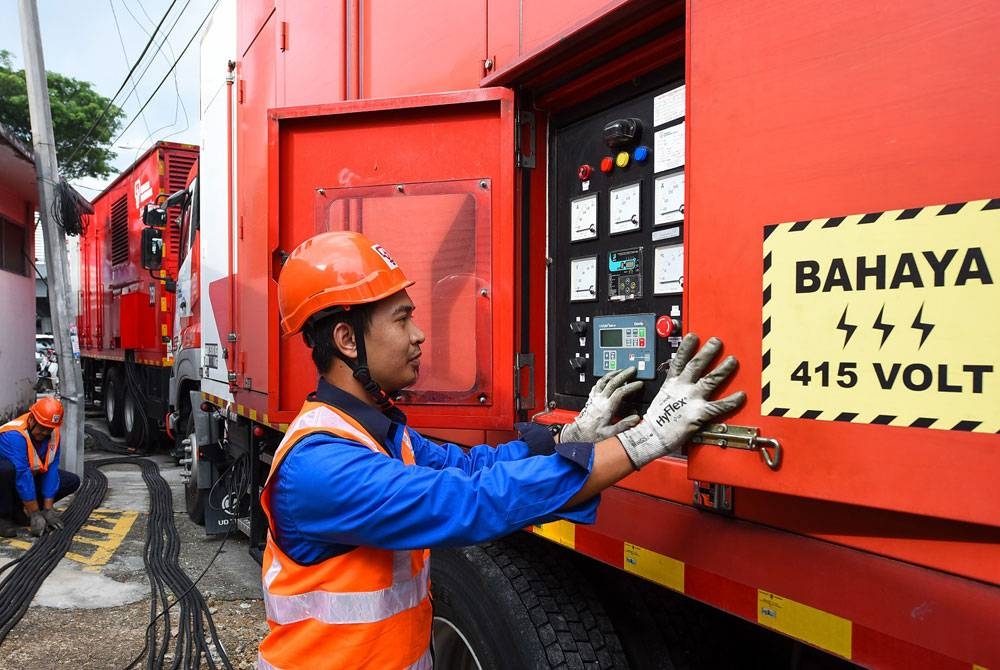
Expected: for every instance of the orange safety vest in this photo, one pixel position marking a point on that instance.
(35, 462)
(367, 608)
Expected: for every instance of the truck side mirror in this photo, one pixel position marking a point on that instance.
(154, 216)
(152, 248)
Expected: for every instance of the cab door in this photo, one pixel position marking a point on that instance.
(430, 178)
(844, 242)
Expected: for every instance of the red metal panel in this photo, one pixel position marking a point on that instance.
(139, 324)
(312, 60)
(256, 82)
(250, 20)
(448, 138)
(542, 20)
(406, 49)
(784, 127)
(726, 561)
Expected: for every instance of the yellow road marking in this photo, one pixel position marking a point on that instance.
(105, 539)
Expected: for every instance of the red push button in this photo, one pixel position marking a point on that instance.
(607, 164)
(665, 326)
(583, 172)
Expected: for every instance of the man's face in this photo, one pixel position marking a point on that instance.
(393, 343)
(38, 432)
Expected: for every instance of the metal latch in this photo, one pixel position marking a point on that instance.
(524, 140)
(741, 437)
(522, 361)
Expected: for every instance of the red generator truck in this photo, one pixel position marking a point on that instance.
(126, 319)
(575, 185)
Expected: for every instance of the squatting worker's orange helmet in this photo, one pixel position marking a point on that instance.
(47, 411)
(337, 269)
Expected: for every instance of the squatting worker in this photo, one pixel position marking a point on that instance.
(30, 478)
(355, 498)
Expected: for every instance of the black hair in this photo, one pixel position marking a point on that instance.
(318, 332)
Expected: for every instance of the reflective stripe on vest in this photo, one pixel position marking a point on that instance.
(424, 663)
(35, 462)
(343, 608)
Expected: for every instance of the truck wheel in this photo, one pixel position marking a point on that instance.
(194, 497)
(134, 421)
(517, 603)
(113, 400)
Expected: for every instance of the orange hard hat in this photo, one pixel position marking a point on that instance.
(331, 270)
(47, 411)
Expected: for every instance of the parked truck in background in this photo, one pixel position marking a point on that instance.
(126, 319)
(573, 187)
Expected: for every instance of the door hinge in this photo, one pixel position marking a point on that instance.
(527, 400)
(284, 35)
(713, 497)
(524, 140)
(741, 437)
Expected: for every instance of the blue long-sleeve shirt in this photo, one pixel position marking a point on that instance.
(331, 494)
(14, 449)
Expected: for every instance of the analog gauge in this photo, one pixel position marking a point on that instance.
(583, 279)
(624, 209)
(668, 199)
(668, 269)
(583, 218)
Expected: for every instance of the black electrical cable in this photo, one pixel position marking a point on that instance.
(160, 555)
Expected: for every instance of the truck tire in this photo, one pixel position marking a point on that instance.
(194, 497)
(134, 422)
(113, 401)
(517, 604)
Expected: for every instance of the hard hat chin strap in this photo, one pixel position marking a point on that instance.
(360, 366)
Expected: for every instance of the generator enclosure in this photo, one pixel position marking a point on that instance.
(126, 314)
(573, 189)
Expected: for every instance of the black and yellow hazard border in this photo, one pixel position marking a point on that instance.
(889, 318)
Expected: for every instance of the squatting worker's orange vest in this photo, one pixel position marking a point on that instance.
(367, 608)
(38, 466)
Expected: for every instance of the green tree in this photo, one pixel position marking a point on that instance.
(75, 107)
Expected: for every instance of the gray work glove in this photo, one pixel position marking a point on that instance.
(37, 523)
(681, 406)
(52, 519)
(593, 423)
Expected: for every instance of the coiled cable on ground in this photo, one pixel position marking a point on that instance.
(160, 556)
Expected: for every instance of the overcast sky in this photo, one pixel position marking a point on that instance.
(80, 40)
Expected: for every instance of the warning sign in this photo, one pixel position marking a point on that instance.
(889, 318)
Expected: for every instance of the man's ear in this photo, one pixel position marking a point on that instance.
(343, 340)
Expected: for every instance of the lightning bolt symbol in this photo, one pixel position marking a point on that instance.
(886, 328)
(924, 328)
(846, 327)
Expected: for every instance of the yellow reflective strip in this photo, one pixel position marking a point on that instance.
(562, 532)
(653, 566)
(821, 629)
(163, 304)
(253, 415)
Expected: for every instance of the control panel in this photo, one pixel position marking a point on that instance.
(625, 341)
(616, 239)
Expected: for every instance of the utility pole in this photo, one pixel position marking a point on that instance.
(47, 171)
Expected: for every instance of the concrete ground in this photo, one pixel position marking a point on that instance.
(93, 609)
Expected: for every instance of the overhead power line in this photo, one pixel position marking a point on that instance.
(167, 75)
(111, 101)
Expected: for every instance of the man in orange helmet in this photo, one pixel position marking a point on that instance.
(30, 478)
(355, 497)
